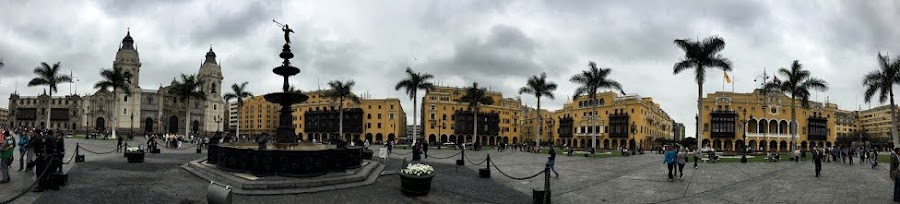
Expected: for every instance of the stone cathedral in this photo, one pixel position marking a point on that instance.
(144, 111)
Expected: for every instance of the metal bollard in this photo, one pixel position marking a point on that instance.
(218, 194)
(78, 156)
(461, 161)
(542, 196)
(485, 172)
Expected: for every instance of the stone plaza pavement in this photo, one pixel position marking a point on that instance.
(643, 179)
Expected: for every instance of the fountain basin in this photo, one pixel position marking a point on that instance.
(285, 98)
(283, 159)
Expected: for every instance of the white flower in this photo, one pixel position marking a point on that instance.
(418, 169)
(133, 149)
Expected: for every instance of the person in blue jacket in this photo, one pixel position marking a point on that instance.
(670, 161)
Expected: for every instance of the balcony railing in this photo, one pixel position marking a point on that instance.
(768, 135)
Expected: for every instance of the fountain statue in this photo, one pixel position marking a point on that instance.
(286, 156)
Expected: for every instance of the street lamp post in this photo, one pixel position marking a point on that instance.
(131, 132)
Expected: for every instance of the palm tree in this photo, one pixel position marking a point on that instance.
(798, 82)
(188, 88)
(475, 97)
(117, 79)
(412, 85)
(701, 55)
(239, 93)
(49, 76)
(339, 91)
(882, 81)
(539, 86)
(590, 80)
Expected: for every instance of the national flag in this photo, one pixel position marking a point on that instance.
(727, 79)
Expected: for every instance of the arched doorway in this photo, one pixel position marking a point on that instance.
(784, 146)
(390, 137)
(728, 146)
(173, 124)
(453, 139)
(195, 127)
(515, 140)
(705, 143)
(505, 140)
(469, 138)
(443, 139)
(773, 145)
(369, 137)
(615, 144)
(803, 145)
(379, 137)
(583, 143)
(575, 143)
(753, 145)
(311, 136)
(148, 125)
(100, 124)
(717, 145)
(491, 140)
(431, 138)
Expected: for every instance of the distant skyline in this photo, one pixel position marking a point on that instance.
(496, 43)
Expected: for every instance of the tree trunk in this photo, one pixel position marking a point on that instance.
(415, 113)
(475, 133)
(341, 118)
(49, 108)
(894, 137)
(115, 112)
(594, 115)
(187, 117)
(237, 131)
(539, 135)
(699, 115)
(793, 121)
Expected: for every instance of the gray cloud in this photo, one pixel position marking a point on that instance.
(496, 43)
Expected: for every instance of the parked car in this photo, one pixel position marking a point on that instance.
(449, 144)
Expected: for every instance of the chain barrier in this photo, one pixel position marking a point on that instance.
(24, 191)
(71, 158)
(451, 156)
(88, 150)
(515, 178)
(473, 163)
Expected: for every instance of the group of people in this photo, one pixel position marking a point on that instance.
(42, 150)
(675, 160)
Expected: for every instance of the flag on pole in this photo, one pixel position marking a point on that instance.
(727, 79)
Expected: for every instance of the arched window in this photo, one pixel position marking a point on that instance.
(128, 78)
(213, 87)
(125, 111)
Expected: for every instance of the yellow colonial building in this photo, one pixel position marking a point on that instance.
(376, 120)
(762, 120)
(876, 121)
(620, 120)
(446, 119)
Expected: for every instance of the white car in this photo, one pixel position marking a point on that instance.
(449, 144)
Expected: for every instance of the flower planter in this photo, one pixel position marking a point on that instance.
(413, 185)
(135, 157)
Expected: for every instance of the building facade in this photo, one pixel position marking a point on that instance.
(410, 129)
(144, 111)
(877, 121)
(761, 121)
(445, 119)
(847, 122)
(232, 115)
(376, 120)
(620, 121)
(4, 115)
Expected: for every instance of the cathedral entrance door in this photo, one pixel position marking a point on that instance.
(100, 124)
(173, 124)
(148, 125)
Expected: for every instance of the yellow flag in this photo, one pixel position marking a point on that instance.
(727, 79)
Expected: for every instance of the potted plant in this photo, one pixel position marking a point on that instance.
(134, 155)
(415, 179)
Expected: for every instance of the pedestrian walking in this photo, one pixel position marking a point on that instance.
(23, 150)
(681, 159)
(850, 155)
(817, 160)
(425, 148)
(552, 161)
(669, 161)
(696, 157)
(7, 145)
(895, 163)
(797, 155)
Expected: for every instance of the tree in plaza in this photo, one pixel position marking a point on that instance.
(539, 86)
(340, 91)
(117, 79)
(589, 81)
(701, 55)
(476, 96)
(188, 88)
(239, 93)
(49, 76)
(412, 84)
(882, 81)
(798, 82)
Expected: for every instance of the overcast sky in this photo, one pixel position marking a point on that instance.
(496, 43)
